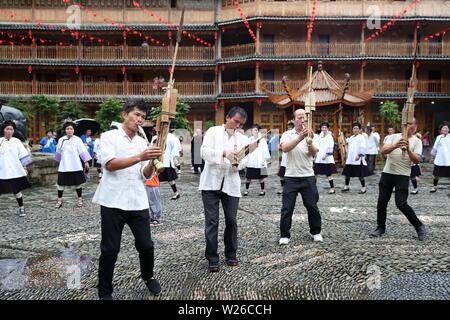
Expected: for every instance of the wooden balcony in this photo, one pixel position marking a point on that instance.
(385, 86)
(343, 8)
(194, 53)
(103, 88)
(339, 49)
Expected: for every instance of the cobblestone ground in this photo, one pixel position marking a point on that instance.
(42, 254)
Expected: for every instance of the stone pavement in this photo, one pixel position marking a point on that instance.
(53, 253)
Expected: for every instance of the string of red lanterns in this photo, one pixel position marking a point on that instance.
(119, 25)
(311, 21)
(390, 23)
(437, 34)
(161, 19)
(244, 18)
(74, 34)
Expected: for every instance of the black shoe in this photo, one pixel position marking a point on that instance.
(345, 190)
(433, 190)
(106, 297)
(232, 263)
(378, 232)
(153, 286)
(175, 197)
(213, 268)
(421, 233)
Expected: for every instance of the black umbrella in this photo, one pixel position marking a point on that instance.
(84, 124)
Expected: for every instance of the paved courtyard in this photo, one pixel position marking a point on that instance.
(53, 253)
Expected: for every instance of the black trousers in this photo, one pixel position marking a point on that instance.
(113, 221)
(310, 196)
(371, 158)
(401, 183)
(211, 200)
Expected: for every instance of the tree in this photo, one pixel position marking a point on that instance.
(110, 110)
(23, 106)
(389, 111)
(45, 106)
(71, 109)
(180, 121)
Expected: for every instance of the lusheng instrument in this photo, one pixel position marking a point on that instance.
(169, 105)
(310, 106)
(342, 144)
(408, 108)
(245, 150)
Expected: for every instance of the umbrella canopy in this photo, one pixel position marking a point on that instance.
(84, 123)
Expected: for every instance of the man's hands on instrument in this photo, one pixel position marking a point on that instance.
(402, 143)
(303, 134)
(229, 154)
(150, 153)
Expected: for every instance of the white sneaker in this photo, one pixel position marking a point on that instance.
(284, 241)
(317, 237)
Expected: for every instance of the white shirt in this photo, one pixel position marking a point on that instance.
(217, 168)
(372, 142)
(68, 153)
(386, 138)
(173, 148)
(299, 162)
(441, 150)
(283, 159)
(326, 147)
(258, 158)
(122, 189)
(356, 146)
(97, 150)
(398, 162)
(13, 158)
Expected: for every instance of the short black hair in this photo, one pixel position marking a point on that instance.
(69, 124)
(49, 130)
(325, 124)
(8, 123)
(135, 103)
(234, 110)
(444, 124)
(356, 124)
(257, 126)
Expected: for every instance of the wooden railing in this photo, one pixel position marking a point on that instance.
(339, 49)
(238, 87)
(238, 50)
(330, 8)
(103, 88)
(105, 53)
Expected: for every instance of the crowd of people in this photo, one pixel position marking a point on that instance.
(129, 189)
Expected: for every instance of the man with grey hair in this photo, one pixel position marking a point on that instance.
(299, 178)
(396, 174)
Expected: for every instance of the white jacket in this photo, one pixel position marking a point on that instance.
(326, 147)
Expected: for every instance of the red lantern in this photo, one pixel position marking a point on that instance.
(222, 67)
(259, 102)
(222, 103)
(77, 70)
(30, 69)
(124, 70)
(216, 106)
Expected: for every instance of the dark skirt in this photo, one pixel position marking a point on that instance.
(97, 164)
(353, 170)
(73, 178)
(169, 174)
(324, 169)
(256, 173)
(282, 171)
(441, 171)
(415, 171)
(14, 185)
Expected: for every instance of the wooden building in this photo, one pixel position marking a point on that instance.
(119, 47)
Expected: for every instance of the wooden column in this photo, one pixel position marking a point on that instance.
(34, 83)
(257, 76)
(361, 76)
(220, 115)
(256, 113)
(125, 51)
(258, 39)
(80, 84)
(79, 48)
(363, 43)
